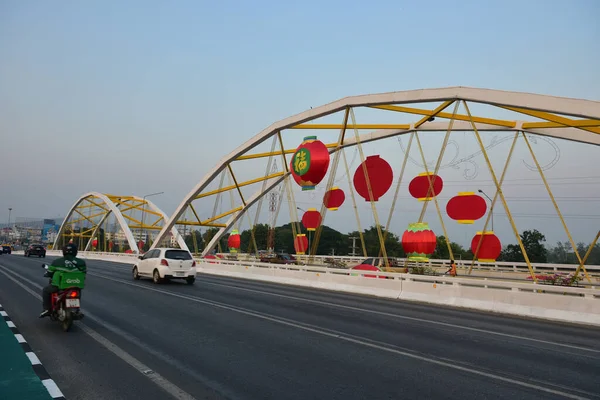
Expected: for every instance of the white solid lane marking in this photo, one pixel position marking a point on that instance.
(52, 388)
(346, 337)
(10, 324)
(33, 358)
(163, 383)
(508, 335)
(20, 338)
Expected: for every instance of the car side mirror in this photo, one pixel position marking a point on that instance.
(141, 257)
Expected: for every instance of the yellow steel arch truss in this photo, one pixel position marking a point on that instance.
(569, 119)
(114, 223)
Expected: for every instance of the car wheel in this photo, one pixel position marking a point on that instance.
(136, 274)
(156, 276)
(190, 280)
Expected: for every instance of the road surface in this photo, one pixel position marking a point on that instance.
(239, 339)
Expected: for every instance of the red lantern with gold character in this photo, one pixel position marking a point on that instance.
(310, 162)
(234, 241)
(334, 198)
(311, 219)
(466, 207)
(490, 247)
(419, 187)
(380, 177)
(301, 244)
(418, 241)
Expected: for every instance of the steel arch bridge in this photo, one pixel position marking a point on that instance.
(106, 222)
(248, 173)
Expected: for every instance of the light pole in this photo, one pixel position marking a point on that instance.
(9, 213)
(144, 211)
(308, 252)
(491, 205)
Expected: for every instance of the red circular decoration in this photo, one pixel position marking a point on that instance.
(419, 186)
(234, 241)
(380, 176)
(334, 198)
(311, 219)
(294, 175)
(466, 207)
(95, 242)
(418, 241)
(310, 162)
(301, 244)
(489, 249)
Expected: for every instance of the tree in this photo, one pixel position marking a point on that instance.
(441, 250)
(533, 244)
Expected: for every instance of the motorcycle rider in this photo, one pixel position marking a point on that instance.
(69, 265)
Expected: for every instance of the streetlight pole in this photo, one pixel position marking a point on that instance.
(9, 213)
(491, 205)
(308, 252)
(144, 211)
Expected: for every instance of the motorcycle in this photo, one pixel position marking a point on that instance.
(66, 304)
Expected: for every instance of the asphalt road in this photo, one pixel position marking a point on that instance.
(238, 339)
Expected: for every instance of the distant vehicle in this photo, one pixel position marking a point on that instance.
(278, 259)
(6, 249)
(380, 262)
(35, 250)
(164, 264)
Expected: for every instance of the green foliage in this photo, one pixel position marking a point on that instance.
(533, 242)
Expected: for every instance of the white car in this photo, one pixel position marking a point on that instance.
(166, 263)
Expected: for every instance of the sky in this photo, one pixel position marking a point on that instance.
(144, 96)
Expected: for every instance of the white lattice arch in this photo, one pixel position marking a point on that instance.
(112, 209)
(535, 102)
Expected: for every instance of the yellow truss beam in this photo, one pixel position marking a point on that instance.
(552, 118)
(355, 126)
(460, 117)
(146, 227)
(194, 223)
(241, 184)
(207, 222)
(581, 123)
(86, 217)
(276, 153)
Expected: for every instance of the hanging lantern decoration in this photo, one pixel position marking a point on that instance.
(418, 241)
(301, 244)
(234, 241)
(466, 207)
(334, 198)
(419, 186)
(311, 219)
(380, 177)
(490, 247)
(95, 242)
(310, 162)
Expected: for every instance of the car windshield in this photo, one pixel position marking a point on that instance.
(178, 255)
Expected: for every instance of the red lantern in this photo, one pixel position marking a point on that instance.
(490, 247)
(310, 162)
(95, 242)
(418, 241)
(311, 219)
(334, 198)
(234, 241)
(301, 244)
(419, 186)
(380, 177)
(466, 207)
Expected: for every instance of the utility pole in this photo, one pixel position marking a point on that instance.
(354, 247)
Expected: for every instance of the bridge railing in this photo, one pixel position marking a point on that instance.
(519, 269)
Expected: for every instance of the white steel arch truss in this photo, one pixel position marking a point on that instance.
(111, 208)
(553, 119)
